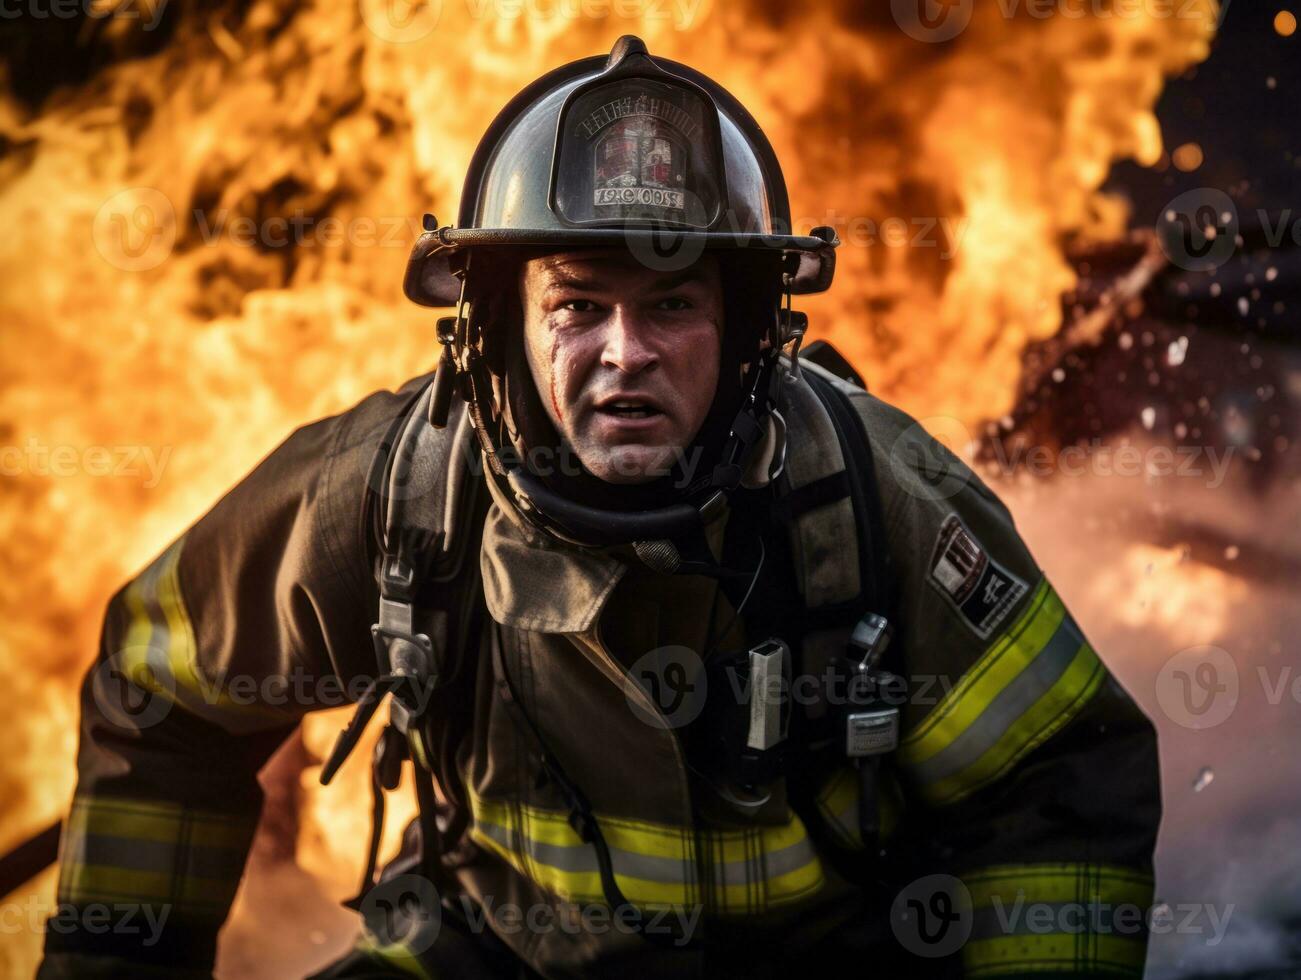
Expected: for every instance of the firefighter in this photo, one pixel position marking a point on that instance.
(706, 662)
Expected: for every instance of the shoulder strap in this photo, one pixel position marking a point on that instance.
(422, 498)
(844, 564)
(423, 502)
(850, 590)
(877, 582)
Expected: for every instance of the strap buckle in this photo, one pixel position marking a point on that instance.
(872, 720)
(397, 579)
(408, 655)
(869, 733)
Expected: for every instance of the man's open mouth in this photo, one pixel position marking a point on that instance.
(630, 409)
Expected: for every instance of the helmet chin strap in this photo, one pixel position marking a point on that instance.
(681, 525)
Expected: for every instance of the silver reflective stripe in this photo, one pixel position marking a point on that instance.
(136, 854)
(1006, 708)
(778, 862)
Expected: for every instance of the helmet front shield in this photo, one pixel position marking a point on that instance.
(644, 153)
(638, 151)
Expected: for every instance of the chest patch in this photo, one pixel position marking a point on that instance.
(978, 587)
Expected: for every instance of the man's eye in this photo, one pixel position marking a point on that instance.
(675, 303)
(579, 305)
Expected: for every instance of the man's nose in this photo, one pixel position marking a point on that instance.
(626, 347)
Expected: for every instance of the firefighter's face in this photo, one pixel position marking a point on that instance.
(625, 358)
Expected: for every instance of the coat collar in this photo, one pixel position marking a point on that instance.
(533, 582)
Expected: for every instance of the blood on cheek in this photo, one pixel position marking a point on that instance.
(555, 351)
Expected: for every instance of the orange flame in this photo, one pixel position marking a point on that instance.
(153, 315)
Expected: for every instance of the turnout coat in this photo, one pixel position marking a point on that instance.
(1025, 775)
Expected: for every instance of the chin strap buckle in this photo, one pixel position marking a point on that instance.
(792, 325)
(453, 333)
(440, 401)
(748, 426)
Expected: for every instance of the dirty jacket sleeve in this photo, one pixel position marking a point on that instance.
(208, 658)
(1029, 775)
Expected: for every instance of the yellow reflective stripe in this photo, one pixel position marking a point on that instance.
(986, 677)
(552, 827)
(160, 638)
(1084, 883)
(1026, 687)
(416, 744)
(1050, 714)
(394, 955)
(654, 864)
(585, 886)
(158, 620)
(156, 821)
(783, 889)
(1086, 954)
(1000, 893)
(84, 883)
(122, 849)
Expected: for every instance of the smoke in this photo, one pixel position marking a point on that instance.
(1157, 568)
(206, 224)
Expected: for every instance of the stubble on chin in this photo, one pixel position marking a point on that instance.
(632, 464)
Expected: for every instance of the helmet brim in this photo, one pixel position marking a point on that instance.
(438, 256)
